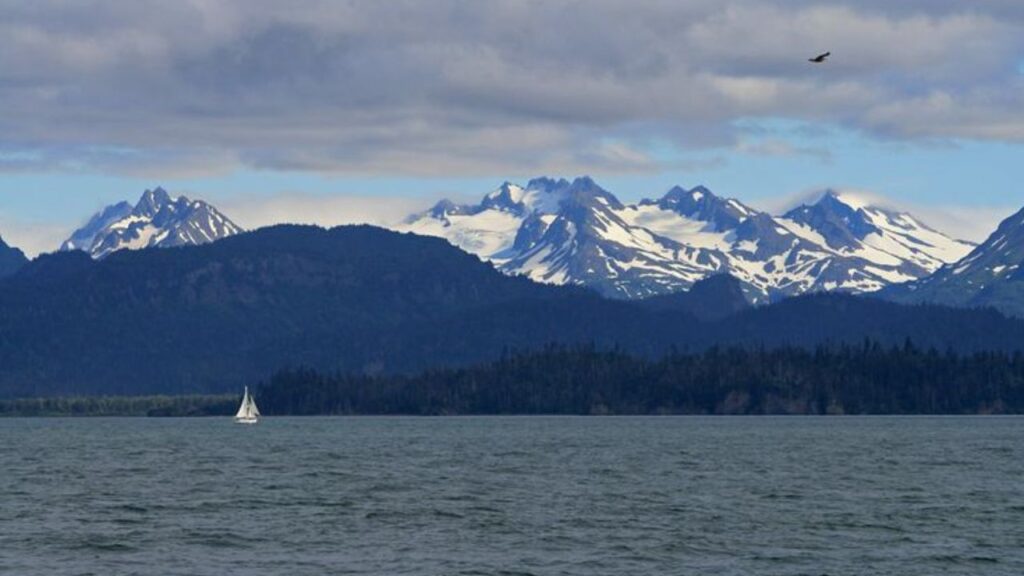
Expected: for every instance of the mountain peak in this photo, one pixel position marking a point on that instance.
(699, 191)
(156, 220)
(585, 192)
(446, 207)
(699, 203)
(839, 218)
(677, 195)
(848, 199)
(507, 197)
(152, 201)
(547, 184)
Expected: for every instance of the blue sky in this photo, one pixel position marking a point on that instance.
(363, 111)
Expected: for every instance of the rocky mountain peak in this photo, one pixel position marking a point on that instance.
(841, 222)
(156, 220)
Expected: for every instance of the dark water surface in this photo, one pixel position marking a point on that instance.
(520, 495)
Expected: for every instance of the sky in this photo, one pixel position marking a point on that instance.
(334, 112)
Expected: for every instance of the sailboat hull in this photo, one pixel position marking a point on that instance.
(246, 420)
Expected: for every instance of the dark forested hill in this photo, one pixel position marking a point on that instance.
(360, 299)
(842, 379)
(831, 318)
(211, 317)
(713, 298)
(11, 259)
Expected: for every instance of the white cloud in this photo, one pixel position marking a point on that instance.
(461, 88)
(33, 237)
(775, 147)
(973, 223)
(327, 211)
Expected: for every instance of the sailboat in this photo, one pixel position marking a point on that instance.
(248, 413)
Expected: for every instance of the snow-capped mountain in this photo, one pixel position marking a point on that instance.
(868, 247)
(157, 220)
(990, 275)
(559, 232)
(82, 239)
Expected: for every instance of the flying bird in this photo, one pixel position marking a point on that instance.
(819, 58)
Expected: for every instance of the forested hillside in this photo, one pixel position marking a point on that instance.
(363, 300)
(864, 379)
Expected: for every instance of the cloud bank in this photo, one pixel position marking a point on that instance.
(483, 88)
(328, 211)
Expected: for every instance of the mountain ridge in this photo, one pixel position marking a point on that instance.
(156, 220)
(559, 232)
(360, 299)
(989, 276)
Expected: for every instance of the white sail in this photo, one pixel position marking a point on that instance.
(243, 410)
(247, 412)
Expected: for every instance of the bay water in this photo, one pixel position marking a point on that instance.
(513, 495)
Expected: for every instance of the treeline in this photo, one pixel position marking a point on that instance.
(838, 379)
(212, 405)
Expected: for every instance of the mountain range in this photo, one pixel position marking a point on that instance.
(212, 317)
(562, 232)
(990, 275)
(558, 231)
(156, 220)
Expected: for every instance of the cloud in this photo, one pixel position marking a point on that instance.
(781, 148)
(33, 237)
(298, 208)
(973, 223)
(473, 88)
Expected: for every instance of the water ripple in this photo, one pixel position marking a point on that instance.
(567, 496)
